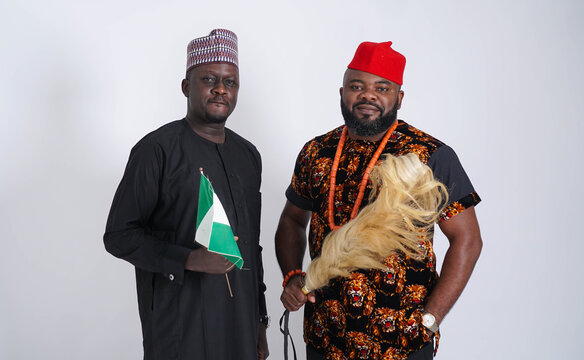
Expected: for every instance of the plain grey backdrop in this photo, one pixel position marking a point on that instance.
(81, 82)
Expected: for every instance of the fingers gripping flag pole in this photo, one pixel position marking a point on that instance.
(213, 230)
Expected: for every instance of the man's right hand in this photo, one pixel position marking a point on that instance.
(292, 296)
(203, 260)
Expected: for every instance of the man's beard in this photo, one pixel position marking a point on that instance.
(365, 127)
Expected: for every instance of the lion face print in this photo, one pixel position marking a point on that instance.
(414, 295)
(413, 332)
(317, 332)
(361, 346)
(358, 295)
(385, 324)
(334, 316)
(391, 281)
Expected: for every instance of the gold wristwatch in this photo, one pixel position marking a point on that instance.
(429, 321)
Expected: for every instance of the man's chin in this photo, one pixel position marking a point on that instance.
(367, 116)
(367, 120)
(214, 118)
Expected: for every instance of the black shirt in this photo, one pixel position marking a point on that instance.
(151, 224)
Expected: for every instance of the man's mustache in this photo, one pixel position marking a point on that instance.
(218, 99)
(365, 102)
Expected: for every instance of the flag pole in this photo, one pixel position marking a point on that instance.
(228, 284)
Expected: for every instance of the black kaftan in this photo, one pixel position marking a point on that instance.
(184, 314)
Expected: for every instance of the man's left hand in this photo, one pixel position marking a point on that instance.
(263, 351)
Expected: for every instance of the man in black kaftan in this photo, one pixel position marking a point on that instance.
(184, 301)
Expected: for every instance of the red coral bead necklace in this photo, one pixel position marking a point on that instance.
(363, 185)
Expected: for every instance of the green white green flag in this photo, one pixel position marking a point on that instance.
(213, 229)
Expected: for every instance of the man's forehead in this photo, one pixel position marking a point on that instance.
(223, 67)
(352, 75)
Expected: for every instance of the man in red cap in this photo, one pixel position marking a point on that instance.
(373, 314)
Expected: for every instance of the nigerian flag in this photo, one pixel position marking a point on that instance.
(213, 229)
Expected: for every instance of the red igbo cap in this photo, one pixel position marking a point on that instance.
(379, 59)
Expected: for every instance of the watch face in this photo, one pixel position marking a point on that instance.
(428, 320)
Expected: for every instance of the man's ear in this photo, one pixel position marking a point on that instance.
(185, 87)
(400, 97)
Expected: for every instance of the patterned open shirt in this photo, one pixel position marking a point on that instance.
(372, 314)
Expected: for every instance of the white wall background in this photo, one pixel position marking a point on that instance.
(82, 81)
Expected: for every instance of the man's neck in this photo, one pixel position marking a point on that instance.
(214, 132)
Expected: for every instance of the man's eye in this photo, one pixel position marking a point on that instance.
(382, 89)
(230, 83)
(208, 79)
(355, 87)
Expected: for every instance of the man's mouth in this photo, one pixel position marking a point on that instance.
(367, 109)
(218, 102)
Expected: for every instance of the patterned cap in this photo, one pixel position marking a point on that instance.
(381, 60)
(219, 46)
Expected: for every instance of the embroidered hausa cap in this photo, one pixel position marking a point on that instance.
(379, 59)
(219, 46)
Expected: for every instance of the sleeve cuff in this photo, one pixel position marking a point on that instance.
(456, 207)
(298, 200)
(173, 263)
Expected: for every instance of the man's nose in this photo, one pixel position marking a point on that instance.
(368, 94)
(219, 89)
